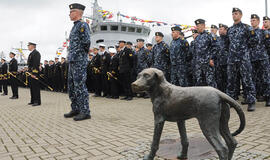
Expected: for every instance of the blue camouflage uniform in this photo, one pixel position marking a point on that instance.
(221, 62)
(178, 52)
(205, 48)
(161, 58)
(190, 65)
(77, 58)
(142, 59)
(239, 61)
(260, 64)
(267, 41)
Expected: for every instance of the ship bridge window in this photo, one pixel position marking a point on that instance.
(131, 29)
(114, 28)
(146, 31)
(123, 29)
(139, 30)
(103, 28)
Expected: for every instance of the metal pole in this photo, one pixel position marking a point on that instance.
(266, 11)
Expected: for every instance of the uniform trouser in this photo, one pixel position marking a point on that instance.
(1, 85)
(245, 69)
(97, 84)
(4, 84)
(178, 75)
(221, 77)
(205, 75)
(126, 83)
(14, 86)
(57, 82)
(114, 87)
(104, 84)
(261, 77)
(77, 89)
(34, 90)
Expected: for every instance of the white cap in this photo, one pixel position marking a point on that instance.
(112, 50)
(101, 45)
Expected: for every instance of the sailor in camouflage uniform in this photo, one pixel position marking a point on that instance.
(260, 62)
(161, 55)
(205, 48)
(238, 60)
(266, 25)
(149, 49)
(221, 58)
(142, 56)
(179, 48)
(77, 58)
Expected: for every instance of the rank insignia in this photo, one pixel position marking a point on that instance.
(130, 55)
(82, 29)
(267, 36)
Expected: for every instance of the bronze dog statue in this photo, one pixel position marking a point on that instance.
(210, 106)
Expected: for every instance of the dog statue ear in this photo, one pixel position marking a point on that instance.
(159, 75)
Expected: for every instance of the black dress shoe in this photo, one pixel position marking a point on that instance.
(36, 104)
(13, 97)
(71, 114)
(4, 94)
(244, 102)
(260, 99)
(96, 95)
(125, 98)
(108, 96)
(267, 104)
(115, 97)
(81, 117)
(251, 107)
(129, 98)
(30, 103)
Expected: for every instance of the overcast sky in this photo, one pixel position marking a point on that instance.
(45, 21)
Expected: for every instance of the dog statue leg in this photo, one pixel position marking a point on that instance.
(184, 140)
(156, 139)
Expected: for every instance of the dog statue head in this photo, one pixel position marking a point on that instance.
(147, 80)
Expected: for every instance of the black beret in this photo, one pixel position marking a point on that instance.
(149, 44)
(176, 28)
(266, 18)
(129, 43)
(236, 10)
(140, 40)
(222, 25)
(199, 21)
(159, 34)
(77, 6)
(254, 16)
(122, 41)
(214, 26)
(31, 43)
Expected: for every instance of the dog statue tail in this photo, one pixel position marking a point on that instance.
(238, 110)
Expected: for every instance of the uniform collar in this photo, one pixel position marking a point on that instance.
(75, 22)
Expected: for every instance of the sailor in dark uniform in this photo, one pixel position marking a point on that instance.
(33, 63)
(13, 68)
(4, 76)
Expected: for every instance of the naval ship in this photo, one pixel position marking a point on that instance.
(109, 32)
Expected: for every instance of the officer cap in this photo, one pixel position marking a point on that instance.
(12, 53)
(77, 6)
(110, 47)
(129, 43)
(255, 16)
(236, 10)
(222, 25)
(266, 18)
(112, 50)
(214, 26)
(56, 58)
(122, 41)
(199, 21)
(31, 43)
(140, 40)
(102, 45)
(159, 34)
(95, 47)
(176, 28)
(149, 44)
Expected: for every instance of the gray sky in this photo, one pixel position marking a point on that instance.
(45, 21)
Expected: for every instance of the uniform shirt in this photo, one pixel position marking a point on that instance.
(33, 61)
(13, 65)
(161, 56)
(258, 50)
(142, 59)
(222, 55)
(178, 51)
(267, 40)
(126, 60)
(239, 42)
(205, 47)
(105, 62)
(79, 42)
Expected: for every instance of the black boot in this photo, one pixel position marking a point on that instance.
(267, 103)
(71, 114)
(81, 117)
(125, 98)
(260, 99)
(251, 107)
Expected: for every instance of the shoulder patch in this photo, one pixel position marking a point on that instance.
(267, 36)
(82, 29)
(214, 38)
(187, 44)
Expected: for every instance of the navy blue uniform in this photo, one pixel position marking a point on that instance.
(239, 61)
(142, 59)
(78, 59)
